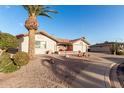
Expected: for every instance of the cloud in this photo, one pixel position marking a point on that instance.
(7, 7)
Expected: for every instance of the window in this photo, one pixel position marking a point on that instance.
(37, 44)
(43, 44)
(40, 44)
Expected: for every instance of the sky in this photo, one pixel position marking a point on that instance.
(96, 23)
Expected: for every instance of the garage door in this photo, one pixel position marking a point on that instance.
(77, 47)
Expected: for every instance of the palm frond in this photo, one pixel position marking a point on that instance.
(29, 8)
(45, 14)
(39, 10)
(52, 11)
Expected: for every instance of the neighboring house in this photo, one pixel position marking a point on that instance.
(45, 42)
(105, 47)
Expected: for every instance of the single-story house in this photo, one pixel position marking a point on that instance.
(45, 42)
(105, 47)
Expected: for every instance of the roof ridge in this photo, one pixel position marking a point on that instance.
(58, 39)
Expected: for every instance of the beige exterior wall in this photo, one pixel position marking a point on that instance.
(50, 44)
(80, 46)
(24, 44)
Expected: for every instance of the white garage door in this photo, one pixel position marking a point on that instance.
(77, 47)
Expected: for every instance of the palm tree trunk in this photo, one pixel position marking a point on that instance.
(32, 25)
(31, 44)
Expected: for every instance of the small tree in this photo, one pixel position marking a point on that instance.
(116, 49)
(8, 41)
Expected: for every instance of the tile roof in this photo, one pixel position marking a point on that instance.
(59, 40)
(38, 32)
(82, 38)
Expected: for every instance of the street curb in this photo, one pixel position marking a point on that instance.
(107, 78)
(115, 77)
(108, 81)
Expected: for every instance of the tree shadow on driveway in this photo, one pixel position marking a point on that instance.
(72, 71)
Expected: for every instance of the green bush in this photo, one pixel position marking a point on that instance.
(8, 41)
(6, 64)
(4, 59)
(21, 58)
(10, 68)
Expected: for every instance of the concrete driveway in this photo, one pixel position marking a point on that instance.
(92, 72)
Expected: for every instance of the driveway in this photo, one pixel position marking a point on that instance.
(91, 72)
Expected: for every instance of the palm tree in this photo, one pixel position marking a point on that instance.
(32, 24)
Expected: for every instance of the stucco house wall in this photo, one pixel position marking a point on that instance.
(85, 47)
(50, 45)
(80, 46)
(45, 42)
(24, 44)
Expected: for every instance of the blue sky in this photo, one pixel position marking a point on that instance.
(96, 23)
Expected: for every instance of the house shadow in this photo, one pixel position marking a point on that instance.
(70, 70)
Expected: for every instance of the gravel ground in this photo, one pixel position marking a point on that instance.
(39, 73)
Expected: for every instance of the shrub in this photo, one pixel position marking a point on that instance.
(10, 68)
(120, 52)
(47, 52)
(8, 41)
(56, 52)
(21, 58)
(6, 64)
(4, 59)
